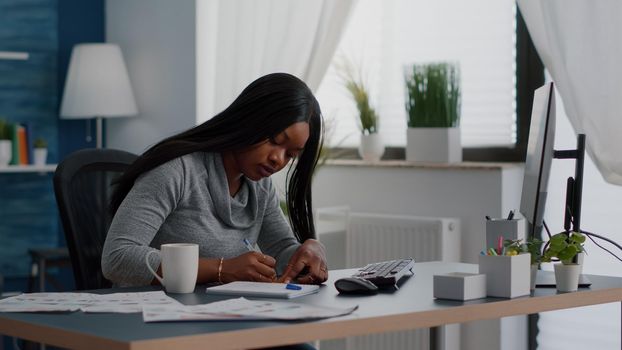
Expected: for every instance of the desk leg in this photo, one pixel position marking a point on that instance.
(434, 341)
(41, 275)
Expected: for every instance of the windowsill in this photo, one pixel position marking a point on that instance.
(423, 165)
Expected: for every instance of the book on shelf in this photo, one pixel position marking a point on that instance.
(29, 142)
(21, 144)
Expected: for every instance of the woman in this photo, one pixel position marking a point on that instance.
(211, 185)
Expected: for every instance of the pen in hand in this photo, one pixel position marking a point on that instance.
(250, 247)
(255, 248)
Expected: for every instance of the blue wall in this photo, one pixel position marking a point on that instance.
(30, 91)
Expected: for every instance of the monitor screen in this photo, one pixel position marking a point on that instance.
(540, 152)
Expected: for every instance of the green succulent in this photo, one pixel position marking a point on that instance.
(564, 247)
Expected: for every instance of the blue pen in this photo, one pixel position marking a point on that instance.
(293, 286)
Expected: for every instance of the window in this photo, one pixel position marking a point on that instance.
(383, 37)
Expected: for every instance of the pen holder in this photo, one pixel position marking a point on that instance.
(508, 229)
(506, 276)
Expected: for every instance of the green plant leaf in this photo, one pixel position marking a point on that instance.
(577, 238)
(568, 253)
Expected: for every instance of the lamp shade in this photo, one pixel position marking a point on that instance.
(97, 84)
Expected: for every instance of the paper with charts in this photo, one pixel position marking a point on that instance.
(241, 309)
(86, 302)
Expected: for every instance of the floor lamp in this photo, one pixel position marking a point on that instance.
(97, 86)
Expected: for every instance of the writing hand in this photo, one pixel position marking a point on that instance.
(310, 254)
(251, 266)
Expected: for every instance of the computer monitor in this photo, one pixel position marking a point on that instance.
(540, 153)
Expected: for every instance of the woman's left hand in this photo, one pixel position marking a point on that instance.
(310, 254)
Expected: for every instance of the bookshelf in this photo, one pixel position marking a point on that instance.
(47, 168)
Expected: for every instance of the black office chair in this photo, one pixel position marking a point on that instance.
(83, 185)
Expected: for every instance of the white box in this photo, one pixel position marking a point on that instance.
(460, 286)
(506, 276)
(508, 229)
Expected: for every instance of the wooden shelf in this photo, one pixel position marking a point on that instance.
(13, 55)
(48, 168)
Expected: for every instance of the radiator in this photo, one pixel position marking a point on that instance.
(379, 237)
(371, 238)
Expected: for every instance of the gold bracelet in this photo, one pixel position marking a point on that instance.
(220, 269)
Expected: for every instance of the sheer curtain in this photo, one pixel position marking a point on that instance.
(580, 43)
(240, 40)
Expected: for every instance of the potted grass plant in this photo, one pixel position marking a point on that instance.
(371, 147)
(6, 148)
(433, 111)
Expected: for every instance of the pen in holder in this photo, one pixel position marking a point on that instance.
(512, 229)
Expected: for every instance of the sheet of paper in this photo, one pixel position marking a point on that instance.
(241, 309)
(262, 289)
(87, 302)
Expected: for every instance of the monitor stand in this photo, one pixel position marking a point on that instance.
(546, 279)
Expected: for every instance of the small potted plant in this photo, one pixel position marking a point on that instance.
(6, 148)
(533, 246)
(40, 151)
(371, 147)
(433, 108)
(565, 247)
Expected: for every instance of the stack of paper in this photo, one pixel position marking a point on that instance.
(86, 302)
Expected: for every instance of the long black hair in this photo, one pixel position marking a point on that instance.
(264, 109)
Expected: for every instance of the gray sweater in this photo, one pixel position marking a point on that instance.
(186, 200)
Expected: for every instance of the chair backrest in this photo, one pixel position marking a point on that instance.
(83, 185)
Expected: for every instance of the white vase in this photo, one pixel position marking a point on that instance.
(371, 147)
(40, 156)
(567, 277)
(440, 145)
(6, 152)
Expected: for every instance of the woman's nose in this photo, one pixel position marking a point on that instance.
(277, 157)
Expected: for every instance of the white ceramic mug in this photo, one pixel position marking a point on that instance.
(180, 266)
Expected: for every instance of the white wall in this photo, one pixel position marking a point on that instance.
(468, 193)
(158, 42)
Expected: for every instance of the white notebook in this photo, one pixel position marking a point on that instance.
(260, 289)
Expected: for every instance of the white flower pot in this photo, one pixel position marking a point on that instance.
(371, 147)
(567, 277)
(6, 151)
(441, 145)
(40, 156)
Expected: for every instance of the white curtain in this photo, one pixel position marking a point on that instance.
(241, 40)
(580, 43)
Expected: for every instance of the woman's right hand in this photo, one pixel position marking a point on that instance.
(251, 266)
